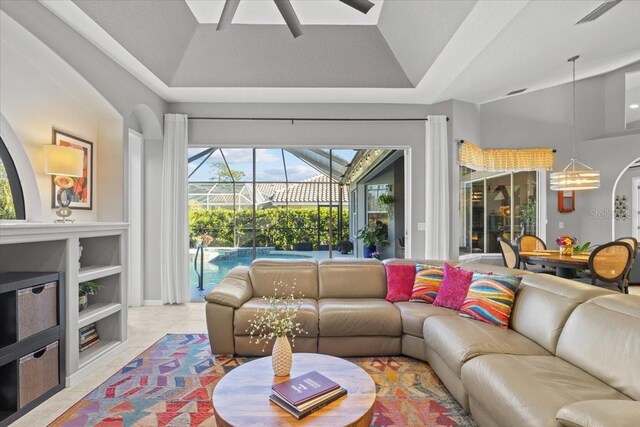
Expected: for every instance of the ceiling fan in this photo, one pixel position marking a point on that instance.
(287, 12)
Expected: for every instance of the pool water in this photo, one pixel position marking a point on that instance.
(214, 272)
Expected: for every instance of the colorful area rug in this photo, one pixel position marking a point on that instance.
(170, 384)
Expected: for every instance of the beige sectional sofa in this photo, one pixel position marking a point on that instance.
(568, 342)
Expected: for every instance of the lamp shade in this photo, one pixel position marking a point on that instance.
(575, 178)
(60, 160)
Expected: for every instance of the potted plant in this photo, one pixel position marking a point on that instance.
(387, 201)
(85, 289)
(344, 246)
(278, 319)
(528, 215)
(372, 236)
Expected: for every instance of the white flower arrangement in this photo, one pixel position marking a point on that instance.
(279, 317)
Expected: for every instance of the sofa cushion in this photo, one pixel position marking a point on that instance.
(490, 298)
(543, 305)
(400, 279)
(348, 317)
(457, 340)
(454, 287)
(427, 283)
(308, 316)
(414, 313)
(599, 413)
(602, 337)
(345, 278)
(529, 390)
(234, 289)
(265, 272)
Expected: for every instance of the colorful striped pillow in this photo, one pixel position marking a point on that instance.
(427, 282)
(490, 298)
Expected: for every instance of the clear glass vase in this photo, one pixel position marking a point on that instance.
(566, 250)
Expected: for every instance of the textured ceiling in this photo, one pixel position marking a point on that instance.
(156, 32)
(165, 37)
(265, 12)
(427, 27)
(420, 52)
(267, 56)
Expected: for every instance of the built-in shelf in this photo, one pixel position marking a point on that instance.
(97, 311)
(93, 272)
(95, 352)
(83, 252)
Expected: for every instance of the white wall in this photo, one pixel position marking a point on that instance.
(544, 119)
(41, 92)
(625, 188)
(123, 93)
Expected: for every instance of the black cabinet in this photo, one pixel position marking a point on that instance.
(32, 358)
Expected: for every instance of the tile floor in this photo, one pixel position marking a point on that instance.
(146, 326)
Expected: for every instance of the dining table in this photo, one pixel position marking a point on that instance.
(566, 265)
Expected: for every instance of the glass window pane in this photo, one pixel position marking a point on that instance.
(7, 209)
(524, 201)
(269, 166)
(498, 211)
(11, 196)
(297, 170)
(477, 217)
(240, 162)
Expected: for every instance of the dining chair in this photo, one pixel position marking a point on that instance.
(634, 252)
(510, 254)
(632, 242)
(530, 243)
(610, 263)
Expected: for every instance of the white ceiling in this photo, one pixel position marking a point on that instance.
(264, 12)
(475, 52)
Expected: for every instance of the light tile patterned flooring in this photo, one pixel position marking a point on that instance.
(146, 326)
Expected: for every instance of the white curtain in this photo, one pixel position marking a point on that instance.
(437, 189)
(174, 246)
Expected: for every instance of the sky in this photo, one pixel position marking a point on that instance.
(269, 164)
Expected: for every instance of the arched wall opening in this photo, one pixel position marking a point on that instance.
(614, 221)
(145, 284)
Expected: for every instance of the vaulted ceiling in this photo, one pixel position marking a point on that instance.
(411, 51)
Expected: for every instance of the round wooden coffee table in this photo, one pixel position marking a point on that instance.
(241, 397)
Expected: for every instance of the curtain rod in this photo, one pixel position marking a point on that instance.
(462, 141)
(312, 119)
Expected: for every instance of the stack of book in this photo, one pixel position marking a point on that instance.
(305, 394)
(88, 337)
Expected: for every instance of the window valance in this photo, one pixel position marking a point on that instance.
(499, 160)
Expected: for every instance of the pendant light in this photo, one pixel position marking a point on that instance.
(576, 175)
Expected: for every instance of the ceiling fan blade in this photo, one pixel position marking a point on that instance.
(290, 17)
(361, 5)
(226, 17)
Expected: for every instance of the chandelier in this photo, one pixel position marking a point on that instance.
(576, 175)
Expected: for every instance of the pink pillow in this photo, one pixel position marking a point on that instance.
(400, 279)
(454, 288)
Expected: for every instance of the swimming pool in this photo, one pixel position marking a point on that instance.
(214, 271)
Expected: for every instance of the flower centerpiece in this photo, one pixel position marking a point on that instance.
(566, 244)
(278, 319)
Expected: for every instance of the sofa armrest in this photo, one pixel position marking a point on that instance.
(234, 290)
(600, 413)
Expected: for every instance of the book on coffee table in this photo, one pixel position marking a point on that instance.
(317, 404)
(304, 388)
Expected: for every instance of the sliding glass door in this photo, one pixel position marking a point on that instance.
(495, 205)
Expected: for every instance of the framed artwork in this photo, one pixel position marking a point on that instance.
(82, 187)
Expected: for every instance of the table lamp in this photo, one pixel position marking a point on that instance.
(63, 163)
